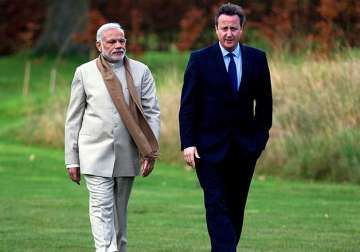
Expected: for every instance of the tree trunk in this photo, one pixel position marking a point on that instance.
(64, 18)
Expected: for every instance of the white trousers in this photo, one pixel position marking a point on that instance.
(108, 201)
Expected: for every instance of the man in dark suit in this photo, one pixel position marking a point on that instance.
(225, 117)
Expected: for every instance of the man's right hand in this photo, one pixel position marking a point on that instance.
(74, 174)
(190, 153)
(147, 166)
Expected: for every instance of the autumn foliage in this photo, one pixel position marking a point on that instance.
(20, 24)
(294, 25)
(95, 19)
(191, 26)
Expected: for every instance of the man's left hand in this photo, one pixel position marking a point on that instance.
(147, 166)
(74, 174)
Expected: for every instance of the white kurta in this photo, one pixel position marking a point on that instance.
(95, 136)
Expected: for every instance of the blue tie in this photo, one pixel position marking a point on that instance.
(232, 72)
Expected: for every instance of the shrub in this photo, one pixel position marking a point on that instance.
(315, 133)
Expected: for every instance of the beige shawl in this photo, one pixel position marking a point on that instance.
(132, 115)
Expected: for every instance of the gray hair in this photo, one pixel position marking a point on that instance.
(105, 27)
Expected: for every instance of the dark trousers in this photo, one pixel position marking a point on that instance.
(225, 185)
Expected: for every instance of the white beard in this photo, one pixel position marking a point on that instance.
(111, 59)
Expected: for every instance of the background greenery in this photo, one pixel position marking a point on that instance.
(305, 195)
(315, 137)
(315, 133)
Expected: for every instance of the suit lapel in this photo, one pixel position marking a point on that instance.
(244, 68)
(219, 61)
(220, 66)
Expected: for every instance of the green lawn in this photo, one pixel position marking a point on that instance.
(41, 210)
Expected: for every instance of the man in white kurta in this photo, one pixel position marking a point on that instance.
(97, 143)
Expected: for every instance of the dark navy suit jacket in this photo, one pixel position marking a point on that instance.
(213, 117)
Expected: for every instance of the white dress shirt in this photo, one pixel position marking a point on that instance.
(237, 59)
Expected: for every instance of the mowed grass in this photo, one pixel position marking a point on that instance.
(42, 210)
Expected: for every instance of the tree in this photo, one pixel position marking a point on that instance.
(64, 18)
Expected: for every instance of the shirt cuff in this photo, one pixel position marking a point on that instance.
(72, 166)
